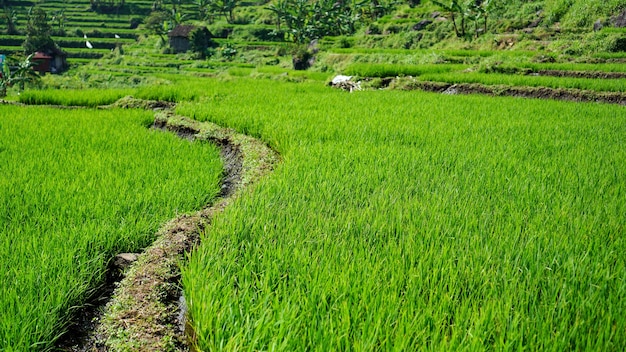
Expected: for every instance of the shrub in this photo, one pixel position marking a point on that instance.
(135, 22)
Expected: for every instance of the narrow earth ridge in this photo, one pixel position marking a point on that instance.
(147, 309)
(576, 95)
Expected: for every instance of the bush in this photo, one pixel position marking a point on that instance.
(200, 41)
(302, 58)
(345, 42)
(135, 22)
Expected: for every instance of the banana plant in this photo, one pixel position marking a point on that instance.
(22, 74)
(202, 7)
(176, 18)
(59, 19)
(470, 10)
(454, 8)
(280, 9)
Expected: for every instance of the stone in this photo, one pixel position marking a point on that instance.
(535, 23)
(421, 25)
(597, 25)
(619, 21)
(124, 260)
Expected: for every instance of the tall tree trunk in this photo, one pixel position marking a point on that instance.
(462, 25)
(456, 30)
(485, 26)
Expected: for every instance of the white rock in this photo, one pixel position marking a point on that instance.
(340, 79)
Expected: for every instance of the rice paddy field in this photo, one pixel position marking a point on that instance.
(396, 220)
(76, 188)
(594, 84)
(411, 221)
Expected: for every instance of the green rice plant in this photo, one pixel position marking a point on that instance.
(392, 70)
(76, 188)
(488, 53)
(239, 71)
(607, 67)
(171, 92)
(610, 56)
(279, 71)
(370, 51)
(451, 53)
(408, 220)
(73, 97)
(599, 85)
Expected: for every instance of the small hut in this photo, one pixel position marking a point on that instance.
(179, 37)
(52, 60)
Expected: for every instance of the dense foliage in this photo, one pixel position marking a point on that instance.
(38, 33)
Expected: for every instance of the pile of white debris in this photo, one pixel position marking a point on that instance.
(345, 83)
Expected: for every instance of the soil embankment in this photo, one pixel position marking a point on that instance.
(144, 309)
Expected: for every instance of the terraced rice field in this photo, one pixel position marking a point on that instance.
(410, 220)
(70, 20)
(76, 188)
(397, 220)
(598, 85)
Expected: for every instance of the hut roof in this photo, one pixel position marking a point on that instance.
(182, 31)
(41, 56)
(49, 53)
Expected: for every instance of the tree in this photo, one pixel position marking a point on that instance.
(487, 6)
(23, 73)
(200, 41)
(472, 10)
(202, 7)
(454, 9)
(375, 9)
(157, 5)
(158, 23)
(306, 20)
(10, 16)
(176, 4)
(38, 33)
(58, 18)
(280, 9)
(225, 8)
(176, 18)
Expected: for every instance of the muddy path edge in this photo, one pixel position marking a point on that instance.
(146, 310)
(563, 94)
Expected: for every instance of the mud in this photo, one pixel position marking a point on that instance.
(580, 74)
(575, 95)
(233, 163)
(142, 308)
(79, 336)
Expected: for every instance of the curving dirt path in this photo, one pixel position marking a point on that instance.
(147, 311)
